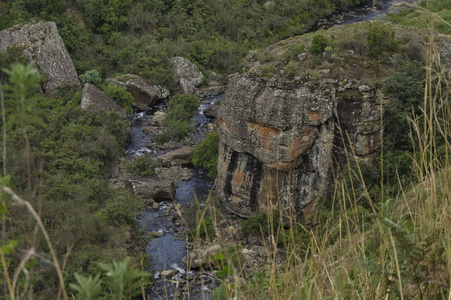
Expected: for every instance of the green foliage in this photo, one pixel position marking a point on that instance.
(122, 208)
(381, 38)
(124, 283)
(142, 166)
(406, 98)
(204, 229)
(121, 281)
(120, 96)
(12, 55)
(319, 43)
(261, 223)
(206, 154)
(220, 293)
(92, 77)
(88, 288)
(181, 108)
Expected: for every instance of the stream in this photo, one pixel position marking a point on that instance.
(168, 247)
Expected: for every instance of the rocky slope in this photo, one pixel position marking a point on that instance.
(291, 117)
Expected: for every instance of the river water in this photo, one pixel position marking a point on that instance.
(166, 252)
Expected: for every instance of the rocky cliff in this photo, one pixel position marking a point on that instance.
(43, 44)
(291, 116)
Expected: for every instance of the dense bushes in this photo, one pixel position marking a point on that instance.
(206, 154)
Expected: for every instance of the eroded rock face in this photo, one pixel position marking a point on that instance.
(44, 45)
(279, 140)
(144, 93)
(94, 99)
(187, 74)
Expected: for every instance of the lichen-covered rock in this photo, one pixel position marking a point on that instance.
(211, 111)
(94, 99)
(144, 93)
(187, 74)
(278, 140)
(152, 187)
(43, 44)
(181, 156)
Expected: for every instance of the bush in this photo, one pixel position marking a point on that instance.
(120, 96)
(319, 43)
(380, 39)
(121, 208)
(142, 166)
(206, 154)
(92, 77)
(181, 109)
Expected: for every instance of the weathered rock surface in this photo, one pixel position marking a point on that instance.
(279, 139)
(152, 187)
(43, 44)
(144, 93)
(94, 99)
(210, 91)
(187, 74)
(181, 156)
(211, 111)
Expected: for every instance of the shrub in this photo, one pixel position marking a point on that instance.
(120, 96)
(121, 208)
(181, 109)
(142, 166)
(319, 43)
(92, 77)
(206, 154)
(381, 38)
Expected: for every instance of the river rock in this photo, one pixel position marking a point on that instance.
(187, 74)
(211, 111)
(43, 44)
(145, 94)
(168, 274)
(152, 187)
(181, 156)
(94, 99)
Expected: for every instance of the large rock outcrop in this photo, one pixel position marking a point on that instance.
(43, 44)
(187, 74)
(290, 118)
(94, 99)
(144, 93)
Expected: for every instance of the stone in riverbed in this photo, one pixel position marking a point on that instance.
(168, 274)
(152, 187)
(181, 156)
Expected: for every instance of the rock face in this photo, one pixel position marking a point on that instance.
(278, 140)
(94, 99)
(44, 45)
(145, 94)
(187, 74)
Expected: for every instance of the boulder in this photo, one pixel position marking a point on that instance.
(144, 93)
(211, 111)
(181, 156)
(168, 274)
(94, 99)
(152, 187)
(43, 44)
(187, 74)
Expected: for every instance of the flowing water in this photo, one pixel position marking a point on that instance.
(166, 252)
